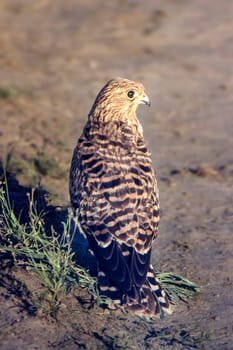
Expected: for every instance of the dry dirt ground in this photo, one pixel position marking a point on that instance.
(54, 57)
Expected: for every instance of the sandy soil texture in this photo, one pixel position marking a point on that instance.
(54, 58)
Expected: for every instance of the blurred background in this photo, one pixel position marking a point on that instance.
(54, 58)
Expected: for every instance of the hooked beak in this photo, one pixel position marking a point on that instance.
(145, 100)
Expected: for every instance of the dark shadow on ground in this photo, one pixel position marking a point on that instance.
(15, 287)
(19, 197)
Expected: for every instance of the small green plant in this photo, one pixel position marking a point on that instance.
(178, 287)
(7, 92)
(46, 166)
(49, 256)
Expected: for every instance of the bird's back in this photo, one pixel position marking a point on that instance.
(114, 196)
(112, 175)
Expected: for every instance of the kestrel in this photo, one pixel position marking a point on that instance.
(115, 198)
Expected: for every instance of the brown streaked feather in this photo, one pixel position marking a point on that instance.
(114, 195)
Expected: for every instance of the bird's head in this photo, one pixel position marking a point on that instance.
(119, 99)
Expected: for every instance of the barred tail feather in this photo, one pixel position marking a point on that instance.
(151, 299)
(109, 290)
(159, 293)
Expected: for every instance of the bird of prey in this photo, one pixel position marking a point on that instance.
(115, 199)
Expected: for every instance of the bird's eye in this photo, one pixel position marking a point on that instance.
(130, 94)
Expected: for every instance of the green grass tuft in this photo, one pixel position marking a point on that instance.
(7, 92)
(178, 287)
(46, 166)
(49, 256)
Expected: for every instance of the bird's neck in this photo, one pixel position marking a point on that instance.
(120, 129)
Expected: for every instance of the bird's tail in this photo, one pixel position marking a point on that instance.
(152, 298)
(109, 291)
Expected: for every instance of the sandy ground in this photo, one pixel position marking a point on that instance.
(54, 57)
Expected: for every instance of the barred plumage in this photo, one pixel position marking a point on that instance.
(115, 198)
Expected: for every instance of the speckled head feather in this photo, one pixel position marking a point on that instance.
(118, 99)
